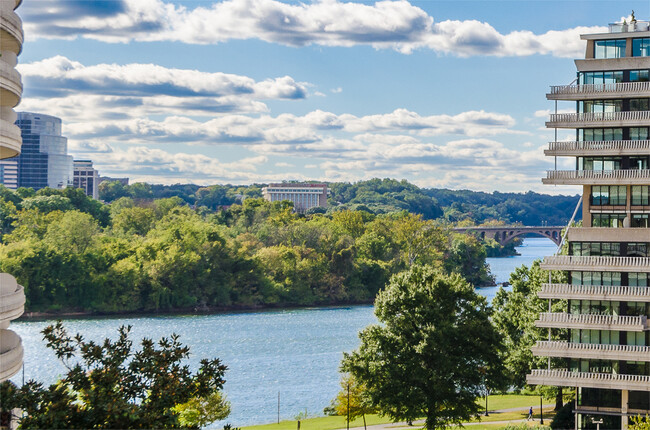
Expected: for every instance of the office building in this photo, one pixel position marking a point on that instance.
(604, 347)
(304, 196)
(86, 178)
(12, 296)
(44, 160)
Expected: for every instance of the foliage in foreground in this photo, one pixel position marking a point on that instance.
(432, 353)
(352, 401)
(108, 385)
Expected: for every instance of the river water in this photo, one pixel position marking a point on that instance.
(295, 353)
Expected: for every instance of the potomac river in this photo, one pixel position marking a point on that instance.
(294, 352)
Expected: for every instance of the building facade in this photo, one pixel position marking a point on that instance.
(304, 196)
(604, 346)
(86, 178)
(12, 297)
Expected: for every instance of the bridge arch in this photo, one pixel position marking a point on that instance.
(506, 234)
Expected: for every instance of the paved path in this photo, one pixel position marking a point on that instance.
(419, 423)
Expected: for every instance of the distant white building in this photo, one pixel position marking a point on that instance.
(86, 178)
(304, 196)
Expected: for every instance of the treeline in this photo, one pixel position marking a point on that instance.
(137, 254)
(379, 196)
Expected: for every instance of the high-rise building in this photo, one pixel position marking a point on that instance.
(86, 178)
(44, 160)
(605, 347)
(304, 196)
(12, 297)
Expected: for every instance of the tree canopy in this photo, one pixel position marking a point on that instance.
(431, 353)
(108, 385)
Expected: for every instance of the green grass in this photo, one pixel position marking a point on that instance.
(505, 401)
(321, 423)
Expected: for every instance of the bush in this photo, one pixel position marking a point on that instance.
(564, 419)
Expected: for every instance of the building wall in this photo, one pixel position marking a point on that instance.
(304, 196)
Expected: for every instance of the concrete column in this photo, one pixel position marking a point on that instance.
(586, 206)
(590, 49)
(624, 398)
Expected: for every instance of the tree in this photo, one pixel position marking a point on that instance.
(515, 312)
(425, 359)
(110, 386)
(359, 403)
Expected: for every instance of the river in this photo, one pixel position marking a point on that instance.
(295, 353)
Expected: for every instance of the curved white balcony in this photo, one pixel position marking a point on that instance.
(565, 378)
(599, 91)
(596, 264)
(10, 139)
(600, 119)
(11, 87)
(605, 147)
(11, 31)
(11, 354)
(591, 351)
(595, 292)
(597, 177)
(12, 298)
(593, 322)
(18, 2)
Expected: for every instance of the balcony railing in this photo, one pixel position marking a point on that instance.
(11, 354)
(594, 322)
(11, 23)
(10, 80)
(578, 119)
(565, 378)
(606, 147)
(591, 350)
(599, 90)
(595, 292)
(579, 177)
(596, 263)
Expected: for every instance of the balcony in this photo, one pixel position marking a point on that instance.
(607, 147)
(593, 322)
(596, 264)
(599, 91)
(595, 292)
(597, 177)
(11, 31)
(601, 119)
(591, 351)
(10, 139)
(608, 234)
(12, 298)
(11, 354)
(565, 378)
(11, 87)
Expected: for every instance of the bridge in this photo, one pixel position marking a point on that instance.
(504, 234)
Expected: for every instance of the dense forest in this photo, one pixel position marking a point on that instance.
(381, 196)
(141, 254)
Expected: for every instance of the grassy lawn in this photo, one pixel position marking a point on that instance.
(505, 401)
(321, 423)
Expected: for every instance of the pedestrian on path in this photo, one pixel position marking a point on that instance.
(530, 414)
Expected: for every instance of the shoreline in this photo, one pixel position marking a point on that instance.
(216, 310)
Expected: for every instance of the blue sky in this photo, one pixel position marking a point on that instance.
(442, 93)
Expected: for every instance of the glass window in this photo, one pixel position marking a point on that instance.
(638, 163)
(638, 104)
(607, 220)
(609, 48)
(639, 76)
(598, 134)
(640, 195)
(637, 249)
(640, 48)
(599, 163)
(638, 279)
(600, 106)
(638, 133)
(640, 220)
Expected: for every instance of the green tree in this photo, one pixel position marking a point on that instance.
(352, 398)
(425, 358)
(108, 385)
(515, 312)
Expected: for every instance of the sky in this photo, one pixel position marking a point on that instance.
(445, 94)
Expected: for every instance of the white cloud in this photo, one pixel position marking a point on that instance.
(397, 25)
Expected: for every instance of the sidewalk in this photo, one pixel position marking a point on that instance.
(419, 423)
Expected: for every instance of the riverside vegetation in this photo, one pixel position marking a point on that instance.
(168, 248)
